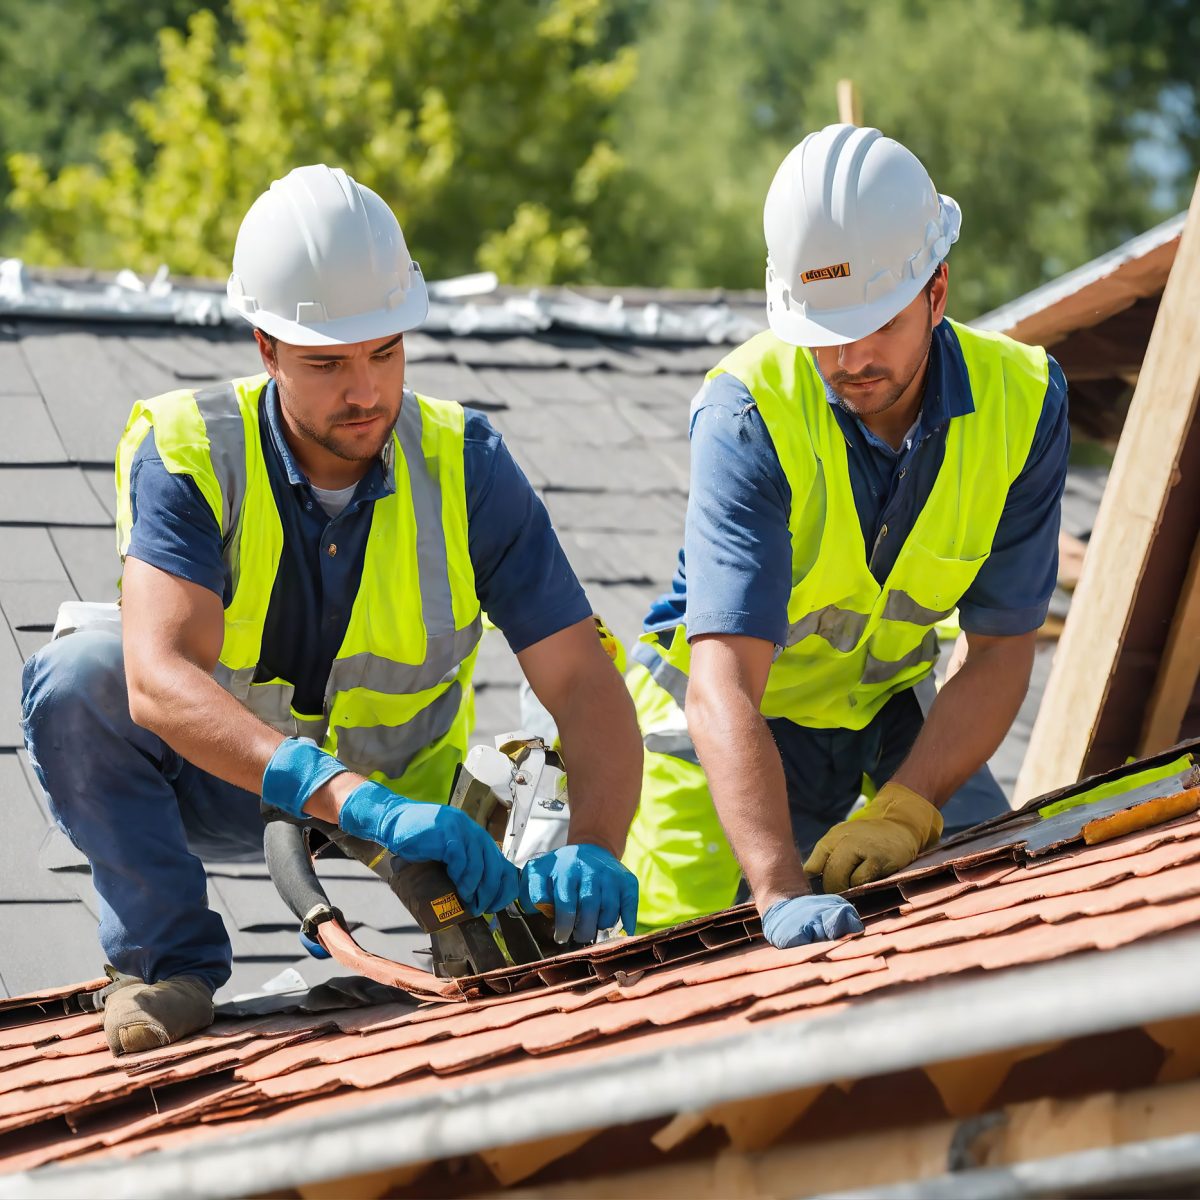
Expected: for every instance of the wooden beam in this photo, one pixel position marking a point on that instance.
(1178, 672)
(1018, 1133)
(1146, 464)
(511, 1164)
(848, 102)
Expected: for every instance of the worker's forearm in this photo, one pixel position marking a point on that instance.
(745, 777)
(969, 719)
(203, 723)
(602, 750)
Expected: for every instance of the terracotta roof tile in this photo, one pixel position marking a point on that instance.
(985, 909)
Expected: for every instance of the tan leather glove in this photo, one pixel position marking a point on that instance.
(885, 837)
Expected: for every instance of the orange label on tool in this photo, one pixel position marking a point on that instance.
(447, 907)
(836, 271)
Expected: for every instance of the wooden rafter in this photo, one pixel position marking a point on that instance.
(1123, 575)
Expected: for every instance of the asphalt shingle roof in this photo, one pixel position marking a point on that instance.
(599, 423)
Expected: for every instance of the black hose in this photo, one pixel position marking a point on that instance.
(291, 868)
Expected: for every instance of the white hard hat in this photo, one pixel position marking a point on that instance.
(855, 229)
(320, 260)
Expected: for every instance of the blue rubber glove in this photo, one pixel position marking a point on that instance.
(415, 831)
(805, 919)
(313, 947)
(297, 768)
(587, 887)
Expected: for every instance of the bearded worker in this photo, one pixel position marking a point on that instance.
(858, 472)
(307, 556)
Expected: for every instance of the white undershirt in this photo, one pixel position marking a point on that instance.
(334, 500)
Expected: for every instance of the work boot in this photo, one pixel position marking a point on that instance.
(144, 1016)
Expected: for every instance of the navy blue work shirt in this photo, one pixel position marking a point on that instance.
(734, 571)
(522, 577)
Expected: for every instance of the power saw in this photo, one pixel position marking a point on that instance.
(517, 791)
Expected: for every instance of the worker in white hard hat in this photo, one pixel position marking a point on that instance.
(859, 472)
(308, 554)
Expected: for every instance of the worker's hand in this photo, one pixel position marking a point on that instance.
(885, 837)
(415, 831)
(805, 919)
(587, 887)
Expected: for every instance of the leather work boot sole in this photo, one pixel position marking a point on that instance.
(144, 1016)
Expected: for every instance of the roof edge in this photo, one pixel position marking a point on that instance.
(1087, 993)
(1009, 317)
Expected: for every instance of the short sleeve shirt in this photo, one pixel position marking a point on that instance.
(734, 572)
(522, 577)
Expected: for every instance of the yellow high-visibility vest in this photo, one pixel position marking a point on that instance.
(398, 704)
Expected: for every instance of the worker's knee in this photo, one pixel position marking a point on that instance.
(74, 682)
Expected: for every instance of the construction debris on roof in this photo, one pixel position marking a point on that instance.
(1056, 880)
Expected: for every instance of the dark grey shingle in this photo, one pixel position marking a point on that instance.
(573, 465)
(25, 827)
(103, 482)
(28, 552)
(600, 425)
(15, 377)
(618, 511)
(83, 385)
(49, 496)
(496, 664)
(10, 695)
(29, 434)
(180, 356)
(497, 710)
(32, 603)
(56, 944)
(452, 381)
(90, 558)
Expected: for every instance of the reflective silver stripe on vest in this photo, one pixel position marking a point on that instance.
(840, 627)
(434, 570)
(671, 679)
(227, 450)
(900, 606)
(673, 742)
(879, 670)
(270, 702)
(391, 748)
(368, 670)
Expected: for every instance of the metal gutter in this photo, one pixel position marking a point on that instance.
(1086, 993)
(1135, 1169)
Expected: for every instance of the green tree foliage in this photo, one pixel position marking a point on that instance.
(1149, 55)
(69, 69)
(623, 141)
(1006, 116)
(480, 121)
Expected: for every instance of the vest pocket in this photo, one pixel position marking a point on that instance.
(925, 588)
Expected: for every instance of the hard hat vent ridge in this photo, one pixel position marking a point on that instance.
(320, 259)
(854, 229)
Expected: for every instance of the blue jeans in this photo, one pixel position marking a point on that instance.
(139, 812)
